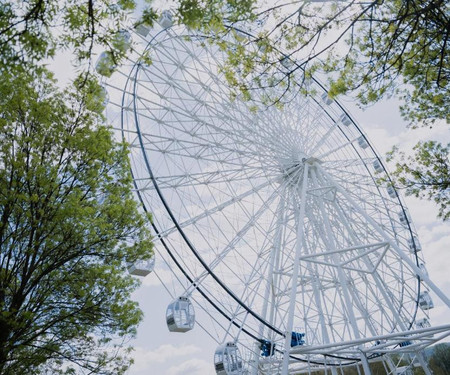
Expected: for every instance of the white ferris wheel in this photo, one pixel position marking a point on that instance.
(282, 244)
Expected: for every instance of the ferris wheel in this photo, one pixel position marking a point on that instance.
(283, 245)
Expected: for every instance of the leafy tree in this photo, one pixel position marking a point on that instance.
(425, 174)
(374, 48)
(440, 360)
(33, 30)
(68, 225)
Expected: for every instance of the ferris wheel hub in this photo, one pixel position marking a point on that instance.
(292, 169)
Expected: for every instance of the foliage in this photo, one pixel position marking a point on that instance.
(68, 222)
(33, 30)
(440, 360)
(68, 225)
(425, 174)
(365, 47)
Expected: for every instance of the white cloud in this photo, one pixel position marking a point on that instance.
(381, 139)
(145, 358)
(158, 277)
(192, 366)
(434, 236)
(384, 138)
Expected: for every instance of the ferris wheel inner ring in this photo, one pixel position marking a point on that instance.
(242, 155)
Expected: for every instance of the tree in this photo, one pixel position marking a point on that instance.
(33, 30)
(375, 48)
(364, 47)
(68, 223)
(425, 174)
(440, 360)
(68, 226)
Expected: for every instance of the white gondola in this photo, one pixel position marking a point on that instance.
(142, 267)
(423, 269)
(391, 191)
(423, 323)
(122, 40)
(362, 142)
(326, 99)
(425, 301)
(414, 244)
(142, 28)
(165, 20)
(180, 315)
(287, 63)
(404, 217)
(105, 64)
(345, 120)
(228, 360)
(377, 166)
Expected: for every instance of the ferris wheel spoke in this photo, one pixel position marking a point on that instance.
(198, 121)
(199, 179)
(225, 160)
(215, 209)
(323, 139)
(239, 236)
(228, 112)
(191, 139)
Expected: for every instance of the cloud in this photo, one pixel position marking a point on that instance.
(192, 366)
(158, 277)
(145, 358)
(384, 138)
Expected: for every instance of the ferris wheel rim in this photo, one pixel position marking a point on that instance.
(199, 289)
(195, 251)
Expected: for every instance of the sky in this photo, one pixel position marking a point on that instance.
(157, 351)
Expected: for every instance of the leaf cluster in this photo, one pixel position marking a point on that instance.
(34, 30)
(372, 49)
(425, 174)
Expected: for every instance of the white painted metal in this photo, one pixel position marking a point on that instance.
(400, 252)
(142, 268)
(257, 242)
(300, 215)
(270, 283)
(180, 315)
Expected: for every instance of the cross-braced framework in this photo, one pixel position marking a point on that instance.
(272, 220)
